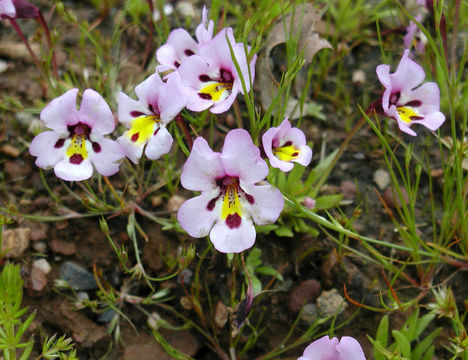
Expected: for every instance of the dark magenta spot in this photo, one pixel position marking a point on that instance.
(226, 76)
(211, 204)
(250, 198)
(136, 114)
(76, 159)
(135, 137)
(295, 154)
(204, 78)
(176, 64)
(288, 143)
(96, 147)
(156, 131)
(415, 117)
(59, 143)
(394, 98)
(219, 182)
(189, 52)
(233, 221)
(205, 96)
(414, 103)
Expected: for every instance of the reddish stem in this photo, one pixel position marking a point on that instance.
(25, 41)
(183, 126)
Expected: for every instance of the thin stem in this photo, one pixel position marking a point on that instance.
(25, 41)
(183, 126)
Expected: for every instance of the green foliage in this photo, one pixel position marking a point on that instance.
(13, 328)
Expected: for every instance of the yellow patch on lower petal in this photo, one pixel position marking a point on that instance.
(407, 113)
(216, 90)
(142, 128)
(286, 153)
(231, 203)
(77, 147)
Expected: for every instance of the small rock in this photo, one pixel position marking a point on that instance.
(186, 303)
(10, 150)
(16, 168)
(107, 316)
(3, 66)
(359, 77)
(305, 292)
(168, 9)
(156, 201)
(382, 179)
(77, 277)
(309, 313)
(40, 247)
(16, 50)
(62, 247)
(348, 189)
(186, 9)
(330, 303)
(38, 279)
(42, 265)
(15, 241)
(38, 231)
(175, 202)
(391, 196)
(221, 314)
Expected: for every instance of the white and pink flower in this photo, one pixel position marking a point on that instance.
(233, 194)
(407, 103)
(211, 78)
(7, 9)
(285, 145)
(76, 141)
(146, 118)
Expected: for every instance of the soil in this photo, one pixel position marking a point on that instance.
(310, 265)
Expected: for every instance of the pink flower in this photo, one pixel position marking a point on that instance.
(284, 145)
(231, 199)
(158, 103)
(211, 78)
(7, 9)
(404, 102)
(76, 141)
(415, 36)
(333, 349)
(180, 44)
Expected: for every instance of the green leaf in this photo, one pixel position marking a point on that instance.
(403, 343)
(284, 231)
(423, 322)
(381, 337)
(424, 344)
(328, 201)
(267, 270)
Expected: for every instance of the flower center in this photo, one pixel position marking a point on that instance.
(408, 114)
(231, 210)
(142, 128)
(77, 152)
(287, 152)
(216, 89)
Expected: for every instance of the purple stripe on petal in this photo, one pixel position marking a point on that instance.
(414, 103)
(205, 96)
(96, 147)
(250, 198)
(189, 52)
(136, 114)
(204, 78)
(59, 143)
(211, 204)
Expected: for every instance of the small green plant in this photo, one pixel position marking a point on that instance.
(13, 328)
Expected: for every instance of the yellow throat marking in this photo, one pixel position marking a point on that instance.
(406, 113)
(286, 153)
(77, 146)
(142, 128)
(231, 203)
(216, 90)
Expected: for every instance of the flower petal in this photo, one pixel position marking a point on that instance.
(407, 76)
(268, 202)
(132, 149)
(167, 56)
(383, 73)
(194, 216)
(159, 144)
(7, 8)
(349, 349)
(204, 31)
(148, 91)
(101, 119)
(43, 146)
(233, 240)
(241, 158)
(305, 156)
(61, 111)
(182, 42)
(127, 106)
(432, 121)
(107, 159)
(202, 167)
(172, 98)
(65, 170)
(429, 96)
(323, 348)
